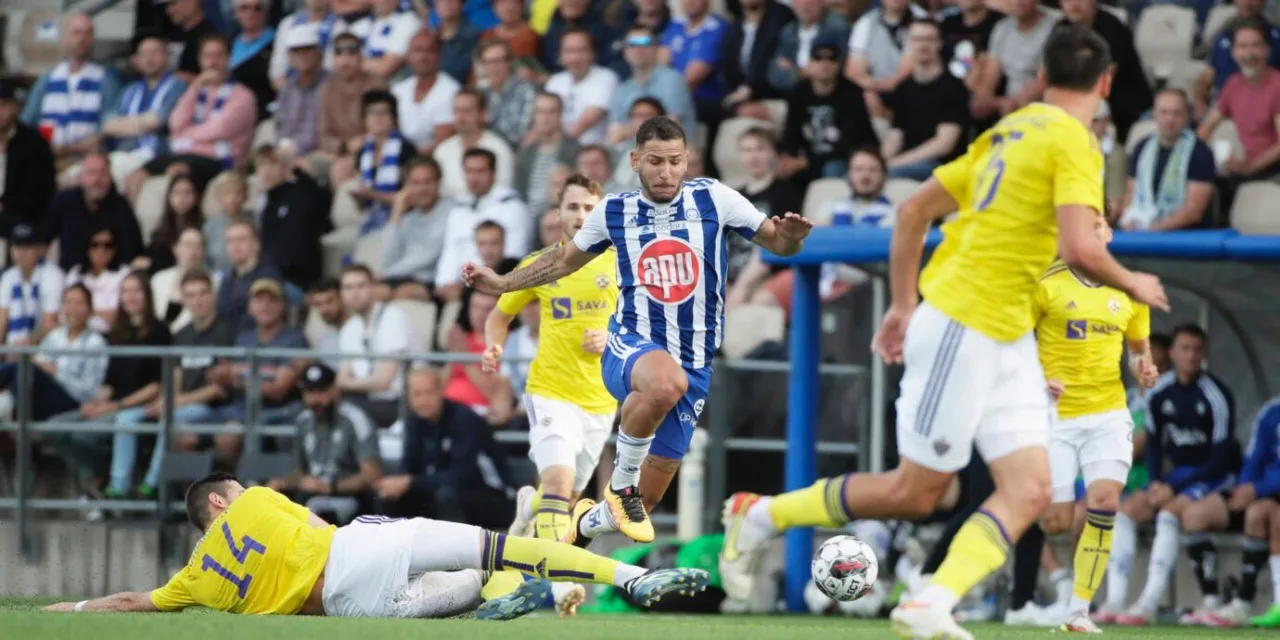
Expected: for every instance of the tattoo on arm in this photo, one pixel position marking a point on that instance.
(549, 267)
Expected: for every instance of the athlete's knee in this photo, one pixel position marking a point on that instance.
(1258, 517)
(1103, 496)
(1058, 519)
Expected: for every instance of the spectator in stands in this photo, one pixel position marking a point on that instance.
(138, 124)
(1192, 420)
(425, 99)
(754, 36)
(71, 100)
(544, 147)
(790, 64)
(191, 27)
(1171, 173)
(352, 11)
(486, 394)
(1251, 99)
(693, 45)
(868, 206)
(510, 97)
(966, 34)
(595, 162)
(521, 347)
(458, 39)
(876, 48)
(1013, 60)
(198, 398)
(324, 299)
(30, 290)
(491, 241)
(414, 236)
(337, 463)
(930, 109)
(316, 16)
(549, 227)
(372, 329)
(340, 126)
(27, 178)
(826, 119)
(386, 35)
(77, 213)
(247, 267)
(297, 115)
(624, 177)
(576, 15)
(478, 13)
(231, 190)
(447, 448)
(584, 87)
(291, 218)
(758, 148)
(1222, 62)
(649, 79)
(166, 284)
(379, 160)
(102, 271)
(212, 126)
(1130, 94)
(520, 39)
(653, 15)
(470, 112)
(251, 53)
(484, 201)
(181, 211)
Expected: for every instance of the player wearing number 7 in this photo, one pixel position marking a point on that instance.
(262, 554)
(1028, 189)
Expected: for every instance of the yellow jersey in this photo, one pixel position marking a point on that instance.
(259, 556)
(562, 369)
(1009, 185)
(1081, 332)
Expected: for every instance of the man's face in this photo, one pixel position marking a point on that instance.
(27, 256)
(1160, 357)
(896, 6)
(448, 10)
(1022, 8)
(1250, 51)
(197, 297)
(925, 41)
(316, 5)
(1079, 11)
(423, 186)
(328, 304)
(266, 309)
(1187, 353)
(424, 56)
(242, 247)
(546, 115)
(826, 66)
(509, 11)
(758, 157)
(251, 15)
(9, 110)
(79, 38)
(489, 243)
(95, 178)
(574, 9)
(1248, 8)
(468, 117)
(181, 11)
(1171, 114)
(641, 50)
(305, 59)
(865, 175)
(346, 58)
(661, 166)
(425, 394)
(549, 227)
(640, 112)
(496, 64)
(481, 306)
(574, 207)
(478, 175)
(357, 292)
(152, 58)
(576, 54)
(319, 401)
(213, 57)
(270, 171)
(385, 7)
(594, 163)
(807, 11)
(695, 8)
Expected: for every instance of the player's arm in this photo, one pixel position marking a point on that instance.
(497, 327)
(780, 235)
(931, 201)
(125, 602)
(555, 263)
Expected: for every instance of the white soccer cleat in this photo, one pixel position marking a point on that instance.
(520, 527)
(923, 621)
(743, 546)
(1031, 615)
(568, 596)
(1079, 622)
(1232, 614)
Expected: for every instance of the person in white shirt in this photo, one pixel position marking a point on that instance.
(424, 100)
(29, 290)
(484, 201)
(470, 109)
(585, 88)
(327, 23)
(386, 36)
(372, 329)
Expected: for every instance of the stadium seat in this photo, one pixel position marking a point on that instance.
(313, 328)
(185, 466)
(899, 189)
(39, 41)
(747, 326)
(1137, 133)
(368, 251)
(1219, 17)
(448, 317)
(265, 134)
(260, 467)
(1186, 75)
(335, 246)
(345, 211)
(422, 315)
(1225, 136)
(821, 192)
(777, 113)
(1163, 37)
(149, 208)
(1254, 210)
(726, 155)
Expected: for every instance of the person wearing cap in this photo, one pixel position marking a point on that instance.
(650, 78)
(826, 120)
(790, 64)
(251, 52)
(30, 291)
(138, 124)
(277, 377)
(298, 106)
(336, 451)
(316, 16)
(27, 177)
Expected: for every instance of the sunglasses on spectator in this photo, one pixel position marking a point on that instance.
(640, 41)
(348, 50)
(102, 244)
(497, 60)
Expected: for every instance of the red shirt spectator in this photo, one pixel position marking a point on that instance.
(1253, 104)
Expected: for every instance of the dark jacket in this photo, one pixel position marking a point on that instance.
(445, 453)
(72, 224)
(783, 78)
(602, 35)
(29, 178)
(1130, 94)
(296, 214)
(763, 49)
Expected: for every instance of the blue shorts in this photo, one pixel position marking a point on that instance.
(676, 430)
(1199, 490)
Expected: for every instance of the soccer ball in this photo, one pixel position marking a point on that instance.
(845, 568)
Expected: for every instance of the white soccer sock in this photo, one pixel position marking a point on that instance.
(438, 594)
(1274, 561)
(1164, 554)
(526, 510)
(1124, 544)
(598, 520)
(631, 453)
(626, 573)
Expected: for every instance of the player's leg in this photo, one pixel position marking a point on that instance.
(1271, 619)
(1165, 549)
(1256, 520)
(439, 594)
(554, 439)
(1200, 520)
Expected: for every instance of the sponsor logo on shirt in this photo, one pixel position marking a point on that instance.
(669, 270)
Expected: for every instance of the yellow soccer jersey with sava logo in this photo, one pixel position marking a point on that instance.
(260, 556)
(1081, 333)
(1008, 186)
(583, 300)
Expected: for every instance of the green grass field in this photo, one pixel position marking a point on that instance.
(21, 619)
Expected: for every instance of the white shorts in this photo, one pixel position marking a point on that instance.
(368, 567)
(562, 434)
(962, 389)
(1100, 445)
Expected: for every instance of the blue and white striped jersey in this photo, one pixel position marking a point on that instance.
(672, 259)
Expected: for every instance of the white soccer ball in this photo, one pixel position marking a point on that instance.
(845, 568)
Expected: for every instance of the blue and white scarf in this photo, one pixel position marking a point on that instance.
(384, 177)
(375, 44)
(206, 111)
(1149, 206)
(876, 212)
(73, 111)
(139, 99)
(24, 305)
(243, 50)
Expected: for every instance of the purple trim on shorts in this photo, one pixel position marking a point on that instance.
(999, 526)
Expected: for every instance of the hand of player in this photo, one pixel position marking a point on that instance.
(393, 487)
(1158, 494)
(482, 279)
(1242, 497)
(489, 359)
(1146, 372)
(1055, 388)
(887, 342)
(1146, 288)
(793, 226)
(594, 341)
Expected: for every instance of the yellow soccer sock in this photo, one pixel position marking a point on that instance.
(818, 505)
(1092, 554)
(552, 520)
(979, 549)
(500, 584)
(547, 559)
